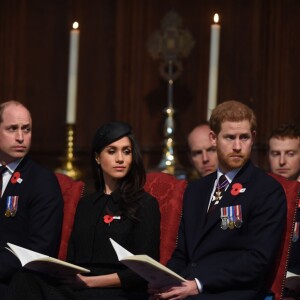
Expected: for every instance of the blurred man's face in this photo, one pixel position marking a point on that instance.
(284, 157)
(203, 153)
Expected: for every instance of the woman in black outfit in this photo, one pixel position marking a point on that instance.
(120, 210)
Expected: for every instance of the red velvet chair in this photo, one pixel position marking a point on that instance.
(168, 190)
(72, 191)
(292, 190)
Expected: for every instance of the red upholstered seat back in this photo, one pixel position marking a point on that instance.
(72, 191)
(168, 190)
(291, 189)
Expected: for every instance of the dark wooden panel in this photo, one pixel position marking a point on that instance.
(118, 79)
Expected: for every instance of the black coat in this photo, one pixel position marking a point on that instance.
(90, 247)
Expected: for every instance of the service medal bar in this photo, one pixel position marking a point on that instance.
(231, 217)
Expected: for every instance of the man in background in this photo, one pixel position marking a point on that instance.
(31, 206)
(202, 153)
(284, 160)
(284, 151)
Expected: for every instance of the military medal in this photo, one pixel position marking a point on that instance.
(11, 206)
(8, 204)
(238, 214)
(296, 232)
(231, 223)
(231, 217)
(224, 218)
(238, 223)
(217, 196)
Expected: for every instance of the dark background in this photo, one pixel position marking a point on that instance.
(119, 80)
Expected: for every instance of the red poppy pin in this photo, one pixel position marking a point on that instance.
(16, 178)
(108, 218)
(236, 189)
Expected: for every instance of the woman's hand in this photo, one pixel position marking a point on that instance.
(79, 281)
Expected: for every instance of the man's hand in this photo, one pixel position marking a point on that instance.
(187, 288)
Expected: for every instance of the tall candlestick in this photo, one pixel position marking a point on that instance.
(170, 84)
(213, 66)
(72, 76)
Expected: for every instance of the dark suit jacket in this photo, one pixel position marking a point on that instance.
(231, 263)
(38, 221)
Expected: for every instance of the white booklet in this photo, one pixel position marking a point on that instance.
(42, 263)
(154, 272)
(290, 274)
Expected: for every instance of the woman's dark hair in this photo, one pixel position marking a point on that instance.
(130, 188)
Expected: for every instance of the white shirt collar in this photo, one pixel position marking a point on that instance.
(11, 167)
(229, 175)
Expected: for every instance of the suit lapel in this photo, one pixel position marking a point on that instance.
(201, 208)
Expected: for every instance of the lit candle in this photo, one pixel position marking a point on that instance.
(72, 77)
(213, 66)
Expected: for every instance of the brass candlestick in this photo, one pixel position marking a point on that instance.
(170, 45)
(68, 167)
(168, 161)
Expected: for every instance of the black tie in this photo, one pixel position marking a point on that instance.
(218, 193)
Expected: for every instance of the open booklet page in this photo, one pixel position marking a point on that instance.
(148, 268)
(290, 274)
(42, 263)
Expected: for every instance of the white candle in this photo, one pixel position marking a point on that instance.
(213, 66)
(72, 75)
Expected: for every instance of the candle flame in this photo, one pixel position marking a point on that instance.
(216, 18)
(75, 25)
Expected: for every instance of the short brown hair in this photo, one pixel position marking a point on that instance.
(285, 130)
(232, 111)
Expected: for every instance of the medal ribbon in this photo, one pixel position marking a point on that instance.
(8, 203)
(238, 214)
(296, 232)
(11, 206)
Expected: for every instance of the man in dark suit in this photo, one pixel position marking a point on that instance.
(31, 206)
(231, 229)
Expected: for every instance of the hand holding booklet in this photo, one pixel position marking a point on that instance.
(42, 263)
(155, 273)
